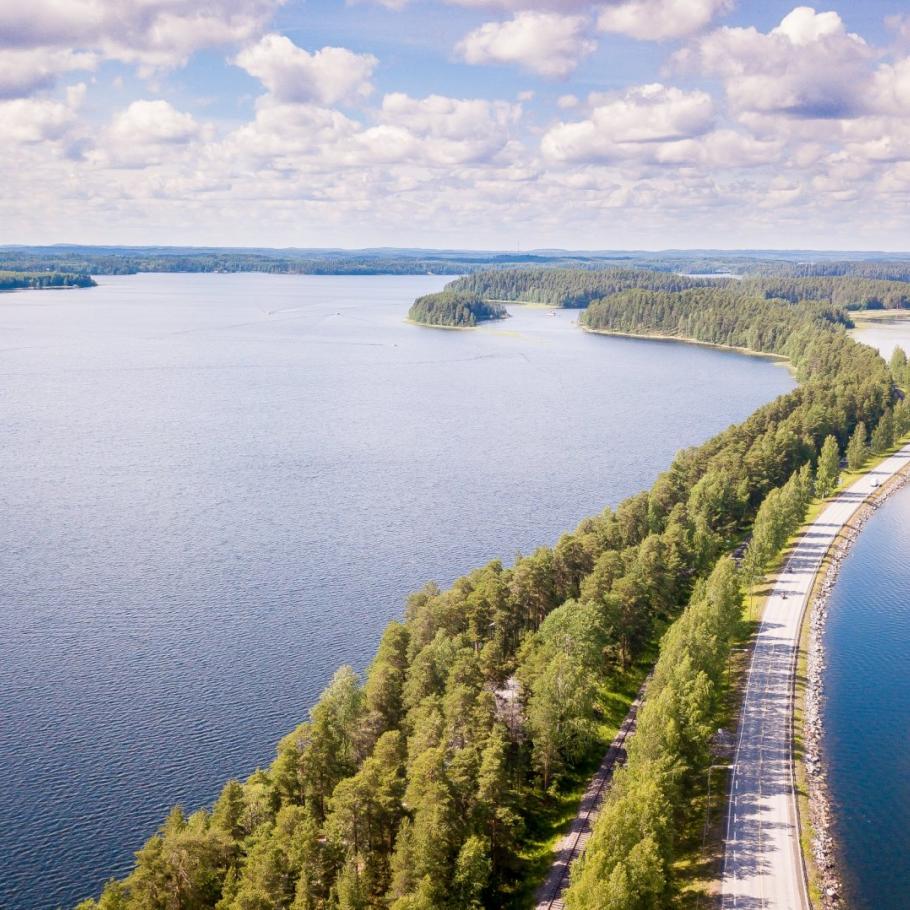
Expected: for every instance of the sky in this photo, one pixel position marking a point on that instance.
(495, 124)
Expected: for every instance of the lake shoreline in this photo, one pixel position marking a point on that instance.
(749, 352)
(457, 328)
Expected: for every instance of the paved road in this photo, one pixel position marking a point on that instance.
(763, 865)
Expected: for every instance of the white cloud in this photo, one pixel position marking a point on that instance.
(817, 125)
(152, 33)
(30, 120)
(292, 74)
(547, 43)
(660, 20)
(804, 26)
(890, 90)
(26, 71)
(153, 122)
(809, 66)
(411, 135)
(720, 151)
(441, 130)
(146, 134)
(631, 125)
(288, 137)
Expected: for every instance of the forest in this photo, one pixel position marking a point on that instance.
(15, 281)
(454, 309)
(572, 288)
(415, 787)
(577, 288)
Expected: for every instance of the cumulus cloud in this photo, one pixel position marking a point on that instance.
(410, 135)
(153, 122)
(809, 66)
(660, 20)
(24, 72)
(145, 134)
(30, 120)
(153, 33)
(631, 125)
(294, 75)
(547, 43)
(441, 130)
(890, 90)
(286, 136)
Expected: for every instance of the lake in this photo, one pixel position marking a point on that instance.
(866, 711)
(218, 488)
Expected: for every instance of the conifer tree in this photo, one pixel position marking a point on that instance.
(828, 472)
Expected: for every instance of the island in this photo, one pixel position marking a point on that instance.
(454, 309)
(19, 281)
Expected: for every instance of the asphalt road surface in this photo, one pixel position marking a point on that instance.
(763, 864)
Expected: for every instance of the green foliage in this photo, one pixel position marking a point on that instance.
(719, 315)
(13, 281)
(410, 790)
(779, 515)
(827, 474)
(883, 434)
(572, 288)
(854, 293)
(857, 448)
(900, 368)
(454, 308)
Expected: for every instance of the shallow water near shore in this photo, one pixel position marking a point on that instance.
(218, 488)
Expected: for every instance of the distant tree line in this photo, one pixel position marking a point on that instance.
(577, 288)
(884, 270)
(574, 288)
(454, 309)
(13, 281)
(114, 260)
(852, 293)
(412, 790)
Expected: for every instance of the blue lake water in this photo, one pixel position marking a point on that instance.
(217, 488)
(866, 712)
(867, 696)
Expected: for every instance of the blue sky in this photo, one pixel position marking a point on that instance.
(472, 123)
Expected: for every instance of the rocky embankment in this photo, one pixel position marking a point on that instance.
(824, 850)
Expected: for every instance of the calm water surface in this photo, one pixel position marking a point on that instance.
(884, 334)
(867, 694)
(867, 710)
(218, 488)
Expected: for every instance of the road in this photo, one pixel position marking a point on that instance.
(572, 845)
(763, 863)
